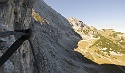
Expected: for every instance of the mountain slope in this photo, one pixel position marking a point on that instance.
(104, 46)
(56, 42)
(53, 41)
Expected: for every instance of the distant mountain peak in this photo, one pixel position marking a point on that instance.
(77, 24)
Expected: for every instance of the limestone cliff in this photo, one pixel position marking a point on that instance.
(15, 14)
(53, 41)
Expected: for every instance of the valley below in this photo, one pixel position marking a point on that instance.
(104, 46)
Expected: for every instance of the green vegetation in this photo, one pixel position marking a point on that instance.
(122, 43)
(39, 18)
(95, 36)
(101, 46)
(109, 44)
(115, 34)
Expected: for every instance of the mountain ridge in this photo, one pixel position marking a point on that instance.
(105, 42)
(53, 41)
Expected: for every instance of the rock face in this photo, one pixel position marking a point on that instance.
(57, 40)
(53, 41)
(15, 14)
(3, 1)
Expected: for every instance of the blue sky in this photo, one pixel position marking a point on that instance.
(97, 13)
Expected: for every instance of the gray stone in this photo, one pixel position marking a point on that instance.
(53, 43)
